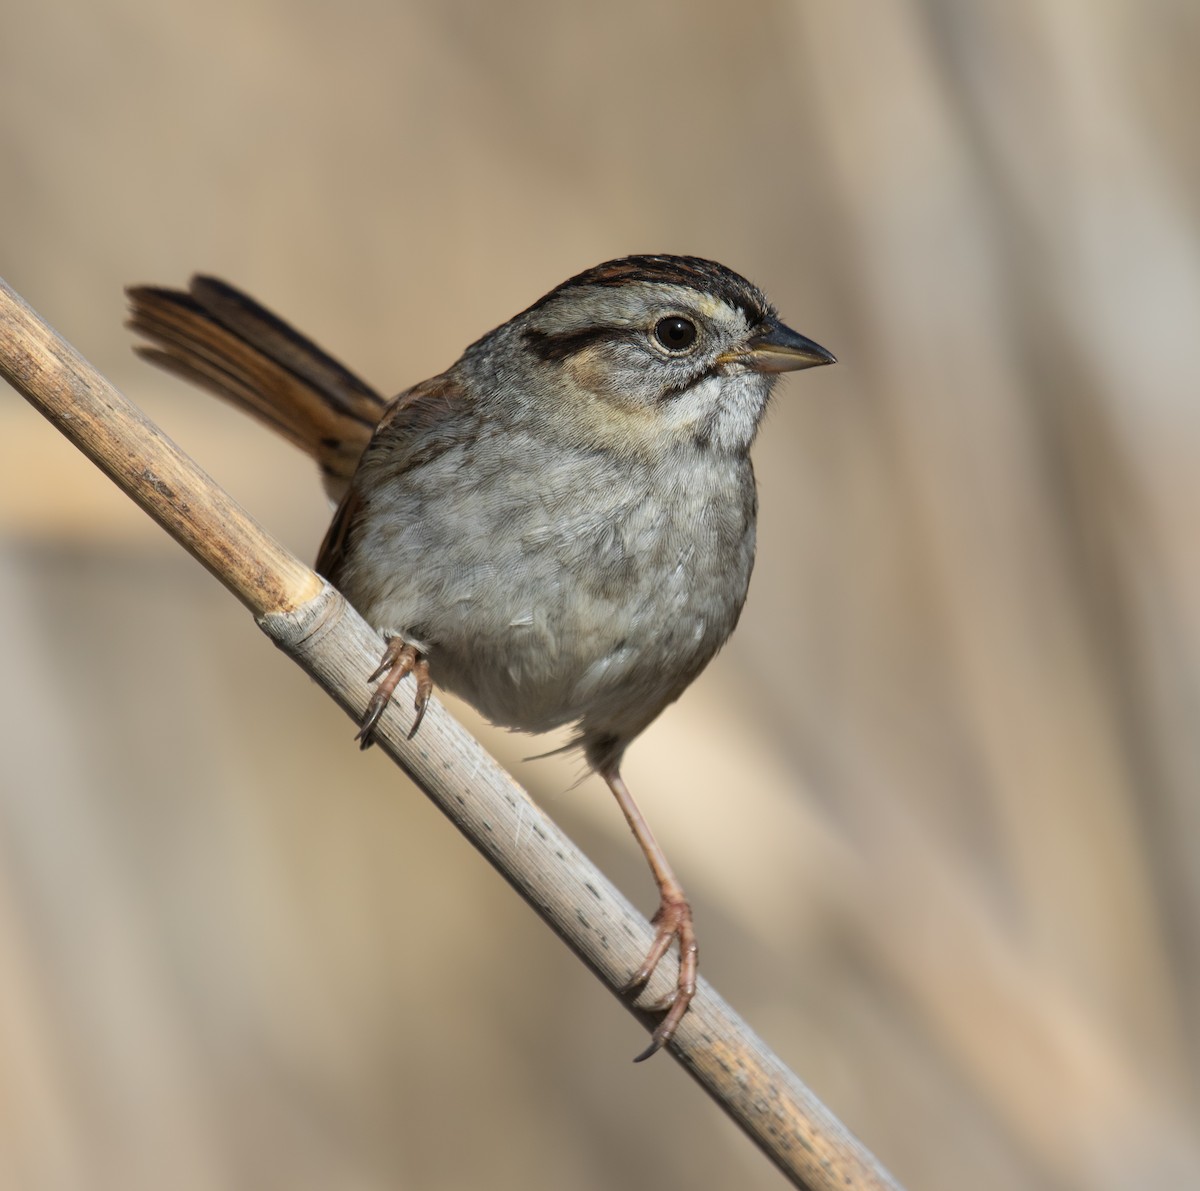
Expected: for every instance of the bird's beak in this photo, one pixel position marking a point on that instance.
(778, 349)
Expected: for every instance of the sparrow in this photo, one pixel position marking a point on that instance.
(560, 526)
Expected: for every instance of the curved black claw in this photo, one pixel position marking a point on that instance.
(398, 660)
(424, 690)
(364, 735)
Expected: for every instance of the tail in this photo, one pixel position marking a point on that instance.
(217, 337)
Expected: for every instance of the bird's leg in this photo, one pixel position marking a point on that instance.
(399, 659)
(673, 921)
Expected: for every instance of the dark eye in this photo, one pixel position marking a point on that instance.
(676, 334)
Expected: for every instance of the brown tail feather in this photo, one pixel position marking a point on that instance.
(217, 337)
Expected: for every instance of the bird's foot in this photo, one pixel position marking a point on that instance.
(673, 921)
(399, 659)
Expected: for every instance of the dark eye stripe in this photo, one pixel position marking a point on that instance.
(558, 347)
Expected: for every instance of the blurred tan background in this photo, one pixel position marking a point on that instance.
(937, 804)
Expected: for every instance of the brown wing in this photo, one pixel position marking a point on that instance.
(219, 338)
(419, 425)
